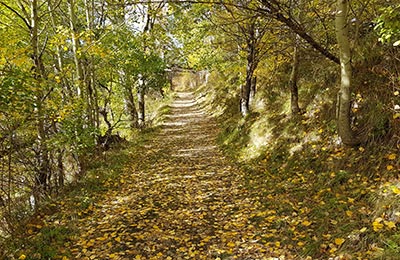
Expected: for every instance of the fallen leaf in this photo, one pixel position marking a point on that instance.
(390, 224)
(339, 241)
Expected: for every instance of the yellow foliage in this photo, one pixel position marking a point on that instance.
(339, 241)
(349, 213)
(395, 190)
(377, 225)
(231, 244)
(390, 224)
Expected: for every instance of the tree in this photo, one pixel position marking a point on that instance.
(344, 95)
(388, 26)
(281, 12)
(294, 75)
(248, 30)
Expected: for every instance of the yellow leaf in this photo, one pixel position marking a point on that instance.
(332, 250)
(392, 156)
(101, 238)
(118, 239)
(306, 223)
(363, 229)
(22, 257)
(395, 190)
(389, 167)
(377, 225)
(277, 244)
(58, 79)
(327, 236)
(138, 257)
(300, 243)
(231, 244)
(349, 213)
(339, 241)
(390, 224)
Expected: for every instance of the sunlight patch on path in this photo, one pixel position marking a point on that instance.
(179, 199)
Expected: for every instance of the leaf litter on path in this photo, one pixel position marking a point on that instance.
(178, 199)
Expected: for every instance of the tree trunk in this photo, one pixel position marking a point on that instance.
(93, 105)
(344, 96)
(59, 66)
(78, 68)
(130, 104)
(253, 88)
(141, 104)
(246, 88)
(245, 95)
(294, 75)
(42, 153)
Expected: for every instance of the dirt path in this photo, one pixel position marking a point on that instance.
(181, 200)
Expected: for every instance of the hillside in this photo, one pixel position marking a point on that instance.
(246, 129)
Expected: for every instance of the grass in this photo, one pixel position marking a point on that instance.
(42, 241)
(326, 197)
(38, 237)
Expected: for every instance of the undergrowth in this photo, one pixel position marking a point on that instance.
(330, 201)
(42, 235)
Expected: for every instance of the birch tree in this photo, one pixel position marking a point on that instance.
(344, 94)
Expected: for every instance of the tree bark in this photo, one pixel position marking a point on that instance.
(130, 105)
(344, 96)
(253, 88)
(141, 104)
(42, 153)
(246, 90)
(294, 75)
(93, 104)
(250, 69)
(74, 41)
(59, 65)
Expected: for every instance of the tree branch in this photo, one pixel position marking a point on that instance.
(17, 13)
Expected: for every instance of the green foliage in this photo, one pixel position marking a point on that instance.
(48, 241)
(388, 25)
(92, 62)
(16, 94)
